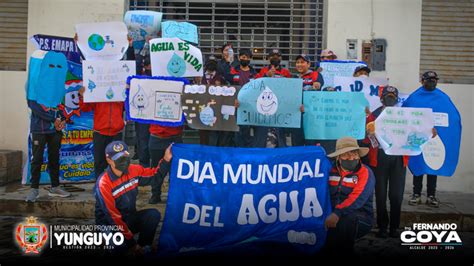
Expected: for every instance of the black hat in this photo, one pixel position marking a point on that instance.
(211, 58)
(305, 57)
(246, 52)
(360, 68)
(429, 75)
(387, 90)
(274, 51)
(116, 149)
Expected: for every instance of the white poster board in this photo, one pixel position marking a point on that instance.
(369, 86)
(176, 58)
(403, 130)
(102, 41)
(105, 81)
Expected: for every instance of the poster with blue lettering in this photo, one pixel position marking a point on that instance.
(155, 100)
(175, 58)
(102, 40)
(370, 86)
(337, 68)
(440, 155)
(142, 24)
(76, 154)
(332, 115)
(271, 102)
(183, 30)
(219, 201)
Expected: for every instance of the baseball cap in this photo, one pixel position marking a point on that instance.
(327, 52)
(360, 68)
(116, 149)
(274, 52)
(389, 90)
(305, 57)
(429, 75)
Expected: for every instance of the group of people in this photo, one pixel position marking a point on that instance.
(353, 179)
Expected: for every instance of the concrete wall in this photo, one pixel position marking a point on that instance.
(52, 17)
(399, 22)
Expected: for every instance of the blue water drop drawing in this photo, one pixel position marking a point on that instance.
(176, 66)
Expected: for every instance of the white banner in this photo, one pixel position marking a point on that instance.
(403, 130)
(155, 100)
(105, 81)
(369, 86)
(176, 58)
(102, 41)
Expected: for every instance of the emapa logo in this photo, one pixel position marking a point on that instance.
(424, 236)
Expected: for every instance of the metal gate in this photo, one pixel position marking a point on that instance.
(294, 27)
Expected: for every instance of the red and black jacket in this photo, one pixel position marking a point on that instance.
(108, 117)
(234, 75)
(116, 196)
(279, 73)
(352, 191)
(373, 152)
(311, 77)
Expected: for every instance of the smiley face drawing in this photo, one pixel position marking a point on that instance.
(267, 102)
(176, 66)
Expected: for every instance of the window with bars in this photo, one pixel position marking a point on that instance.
(13, 34)
(294, 27)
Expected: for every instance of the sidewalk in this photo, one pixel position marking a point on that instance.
(454, 207)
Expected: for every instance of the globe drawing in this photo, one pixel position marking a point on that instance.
(96, 42)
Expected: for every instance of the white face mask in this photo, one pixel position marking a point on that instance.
(363, 76)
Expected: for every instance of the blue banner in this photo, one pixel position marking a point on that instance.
(447, 152)
(219, 200)
(77, 152)
(271, 102)
(333, 115)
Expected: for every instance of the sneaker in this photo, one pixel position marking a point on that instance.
(432, 201)
(33, 195)
(154, 199)
(58, 192)
(415, 200)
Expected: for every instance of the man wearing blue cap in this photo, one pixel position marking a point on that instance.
(116, 193)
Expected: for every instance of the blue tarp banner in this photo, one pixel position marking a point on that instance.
(217, 199)
(443, 156)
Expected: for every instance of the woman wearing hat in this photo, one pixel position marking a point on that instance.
(351, 186)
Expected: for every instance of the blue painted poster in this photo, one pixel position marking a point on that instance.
(219, 200)
(77, 153)
(440, 155)
(337, 68)
(271, 102)
(142, 24)
(184, 30)
(332, 115)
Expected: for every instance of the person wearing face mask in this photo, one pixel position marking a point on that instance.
(389, 170)
(116, 191)
(211, 75)
(227, 61)
(351, 187)
(439, 102)
(241, 75)
(361, 71)
(274, 69)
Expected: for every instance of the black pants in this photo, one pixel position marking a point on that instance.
(221, 138)
(242, 137)
(157, 147)
(100, 142)
(144, 223)
(38, 143)
(349, 228)
(430, 186)
(143, 136)
(389, 176)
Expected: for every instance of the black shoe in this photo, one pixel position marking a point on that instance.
(394, 233)
(382, 233)
(154, 199)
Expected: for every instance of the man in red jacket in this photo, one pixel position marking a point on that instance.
(108, 126)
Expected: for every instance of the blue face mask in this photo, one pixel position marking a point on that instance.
(50, 87)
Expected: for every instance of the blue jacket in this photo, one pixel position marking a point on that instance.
(116, 196)
(42, 118)
(352, 192)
